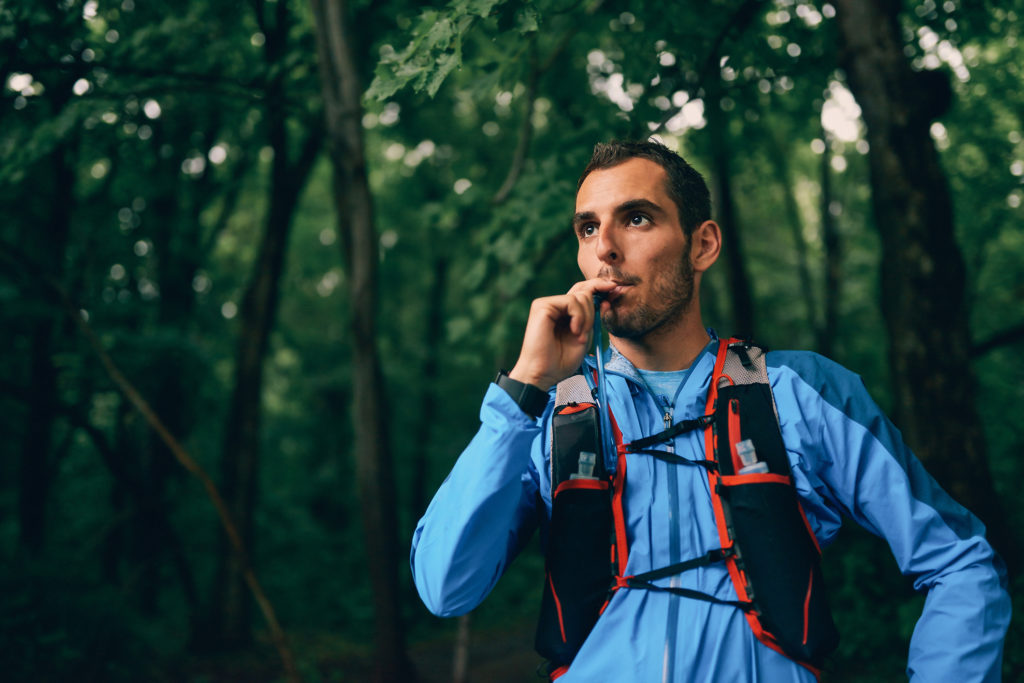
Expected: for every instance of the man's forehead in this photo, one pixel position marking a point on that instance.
(632, 179)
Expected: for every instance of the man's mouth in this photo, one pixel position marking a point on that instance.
(617, 291)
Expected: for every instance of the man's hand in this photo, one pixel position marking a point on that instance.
(558, 334)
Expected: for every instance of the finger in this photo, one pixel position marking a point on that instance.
(592, 286)
(578, 314)
(554, 308)
(587, 302)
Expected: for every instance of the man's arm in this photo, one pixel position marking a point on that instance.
(488, 506)
(483, 513)
(848, 444)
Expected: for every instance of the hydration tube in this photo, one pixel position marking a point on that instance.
(607, 442)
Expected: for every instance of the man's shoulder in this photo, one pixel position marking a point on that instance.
(802, 362)
(802, 372)
(808, 382)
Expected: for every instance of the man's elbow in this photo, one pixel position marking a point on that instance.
(440, 597)
(440, 589)
(441, 605)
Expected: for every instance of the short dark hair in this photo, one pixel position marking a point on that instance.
(685, 185)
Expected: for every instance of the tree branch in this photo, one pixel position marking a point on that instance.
(1010, 335)
(526, 125)
(525, 131)
(230, 201)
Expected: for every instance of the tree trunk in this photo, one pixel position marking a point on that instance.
(430, 400)
(740, 293)
(341, 93)
(923, 274)
(829, 329)
(780, 159)
(230, 621)
(35, 471)
(460, 654)
(175, 239)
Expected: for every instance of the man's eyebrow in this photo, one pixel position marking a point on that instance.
(582, 217)
(634, 204)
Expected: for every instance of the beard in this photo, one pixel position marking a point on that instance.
(669, 296)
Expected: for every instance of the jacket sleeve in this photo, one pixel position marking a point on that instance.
(483, 513)
(856, 457)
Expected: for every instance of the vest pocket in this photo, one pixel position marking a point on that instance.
(780, 561)
(579, 569)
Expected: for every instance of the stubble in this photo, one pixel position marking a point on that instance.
(669, 297)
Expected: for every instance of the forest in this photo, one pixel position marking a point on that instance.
(259, 262)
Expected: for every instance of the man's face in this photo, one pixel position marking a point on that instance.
(629, 232)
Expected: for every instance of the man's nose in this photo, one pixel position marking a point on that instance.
(607, 246)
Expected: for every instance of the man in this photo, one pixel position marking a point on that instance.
(645, 241)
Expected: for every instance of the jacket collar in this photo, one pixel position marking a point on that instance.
(615, 362)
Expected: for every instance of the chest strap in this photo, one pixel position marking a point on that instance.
(681, 427)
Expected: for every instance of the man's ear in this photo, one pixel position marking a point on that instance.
(705, 245)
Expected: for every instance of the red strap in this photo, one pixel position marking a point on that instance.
(714, 479)
(619, 489)
(711, 446)
(558, 608)
(578, 408)
(807, 603)
(735, 434)
(756, 478)
(621, 549)
(576, 484)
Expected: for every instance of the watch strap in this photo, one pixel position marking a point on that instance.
(529, 398)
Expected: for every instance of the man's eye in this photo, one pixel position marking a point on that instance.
(588, 230)
(638, 219)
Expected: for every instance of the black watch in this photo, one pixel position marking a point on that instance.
(529, 398)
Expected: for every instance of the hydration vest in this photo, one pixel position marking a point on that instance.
(767, 545)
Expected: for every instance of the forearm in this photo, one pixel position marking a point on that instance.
(961, 630)
(481, 514)
(855, 457)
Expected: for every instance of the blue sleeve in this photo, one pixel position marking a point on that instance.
(482, 514)
(852, 454)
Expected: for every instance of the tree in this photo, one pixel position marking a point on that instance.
(354, 207)
(230, 617)
(923, 273)
(47, 229)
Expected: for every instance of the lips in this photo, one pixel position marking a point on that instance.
(617, 291)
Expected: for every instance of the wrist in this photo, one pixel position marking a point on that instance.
(530, 398)
(526, 377)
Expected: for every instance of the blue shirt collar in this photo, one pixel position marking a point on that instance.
(615, 362)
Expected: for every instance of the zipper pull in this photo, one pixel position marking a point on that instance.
(667, 418)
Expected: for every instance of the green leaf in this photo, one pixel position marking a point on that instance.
(481, 8)
(433, 52)
(527, 20)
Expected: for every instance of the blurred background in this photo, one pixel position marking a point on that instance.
(259, 261)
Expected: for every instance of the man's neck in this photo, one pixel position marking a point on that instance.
(667, 348)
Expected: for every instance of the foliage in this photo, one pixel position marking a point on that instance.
(434, 51)
(160, 117)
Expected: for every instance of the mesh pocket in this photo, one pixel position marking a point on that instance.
(782, 566)
(579, 571)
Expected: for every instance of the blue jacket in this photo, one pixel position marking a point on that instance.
(847, 458)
